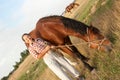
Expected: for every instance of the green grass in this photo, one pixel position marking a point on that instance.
(35, 71)
(85, 11)
(108, 64)
(102, 9)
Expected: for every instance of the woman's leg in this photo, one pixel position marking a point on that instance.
(55, 66)
(66, 65)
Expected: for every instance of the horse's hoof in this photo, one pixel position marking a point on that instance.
(86, 59)
(81, 78)
(93, 71)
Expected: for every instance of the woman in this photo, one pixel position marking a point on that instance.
(40, 48)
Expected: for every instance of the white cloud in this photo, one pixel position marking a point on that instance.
(44, 7)
(2, 61)
(2, 26)
(10, 48)
(35, 9)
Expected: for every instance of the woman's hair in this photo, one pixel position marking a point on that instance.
(24, 35)
(27, 45)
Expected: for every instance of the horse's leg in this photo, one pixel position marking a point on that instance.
(68, 51)
(78, 54)
(75, 50)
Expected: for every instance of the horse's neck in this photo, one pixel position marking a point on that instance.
(71, 32)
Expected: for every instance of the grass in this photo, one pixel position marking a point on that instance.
(86, 10)
(108, 66)
(35, 71)
(102, 9)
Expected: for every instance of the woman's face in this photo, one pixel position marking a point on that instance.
(27, 39)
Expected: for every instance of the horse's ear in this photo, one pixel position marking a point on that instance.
(38, 34)
(91, 25)
(33, 34)
(94, 29)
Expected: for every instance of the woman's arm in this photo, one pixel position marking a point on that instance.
(33, 52)
(40, 55)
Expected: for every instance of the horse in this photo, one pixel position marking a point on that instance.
(57, 29)
(71, 6)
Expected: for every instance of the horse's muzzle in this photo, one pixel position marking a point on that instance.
(108, 48)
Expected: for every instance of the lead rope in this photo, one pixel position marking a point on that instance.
(89, 42)
(75, 44)
(101, 43)
(88, 38)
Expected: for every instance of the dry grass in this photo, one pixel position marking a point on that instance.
(22, 68)
(107, 20)
(106, 17)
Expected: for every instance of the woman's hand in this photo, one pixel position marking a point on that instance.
(52, 47)
(44, 52)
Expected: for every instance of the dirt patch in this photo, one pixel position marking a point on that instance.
(103, 3)
(94, 7)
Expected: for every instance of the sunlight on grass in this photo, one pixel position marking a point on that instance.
(86, 10)
(108, 65)
(35, 71)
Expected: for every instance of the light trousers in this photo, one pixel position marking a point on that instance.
(59, 65)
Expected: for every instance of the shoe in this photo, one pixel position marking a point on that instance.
(81, 78)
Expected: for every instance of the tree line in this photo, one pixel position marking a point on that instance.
(23, 55)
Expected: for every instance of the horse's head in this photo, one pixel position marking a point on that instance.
(97, 41)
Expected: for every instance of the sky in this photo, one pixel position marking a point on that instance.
(18, 17)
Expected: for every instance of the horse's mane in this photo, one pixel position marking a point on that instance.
(78, 26)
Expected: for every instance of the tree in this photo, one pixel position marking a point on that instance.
(24, 54)
(5, 78)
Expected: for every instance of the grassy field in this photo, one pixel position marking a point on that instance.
(106, 19)
(103, 14)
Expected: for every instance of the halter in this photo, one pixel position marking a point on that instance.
(89, 42)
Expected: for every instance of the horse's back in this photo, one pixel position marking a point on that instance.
(52, 29)
(50, 18)
(52, 23)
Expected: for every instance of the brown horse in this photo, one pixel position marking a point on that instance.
(57, 29)
(70, 7)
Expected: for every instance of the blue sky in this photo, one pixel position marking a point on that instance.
(7, 10)
(18, 17)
